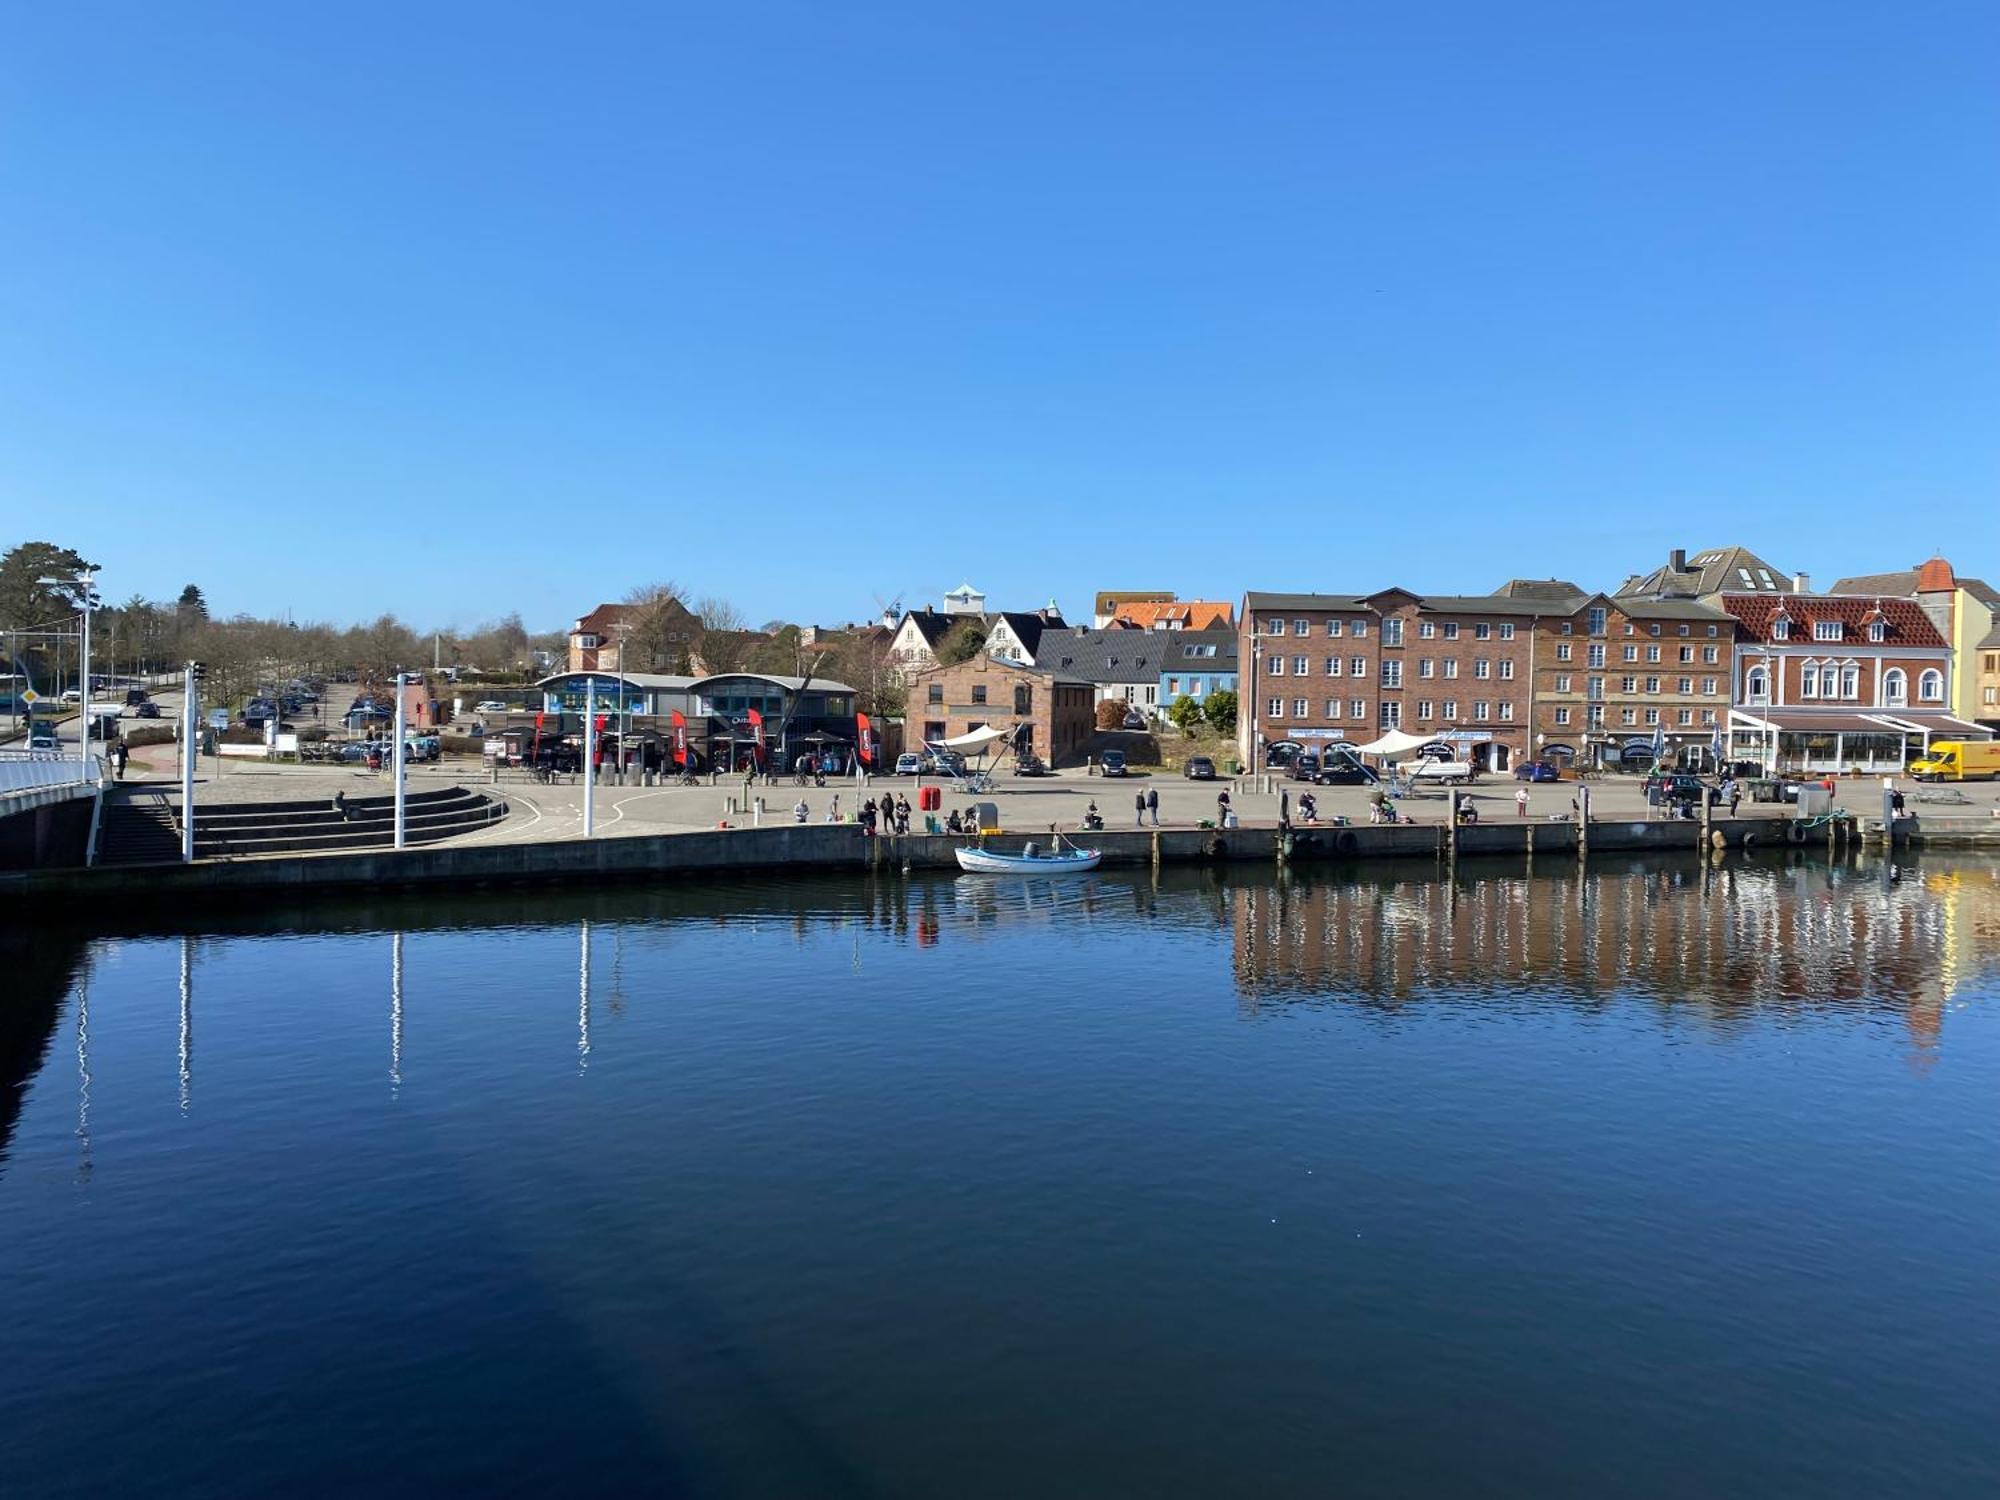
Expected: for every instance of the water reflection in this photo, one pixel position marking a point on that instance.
(187, 1024)
(1799, 934)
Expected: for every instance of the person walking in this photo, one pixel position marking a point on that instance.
(1222, 808)
(1153, 804)
(1735, 796)
(1521, 801)
(119, 758)
(1139, 809)
(833, 809)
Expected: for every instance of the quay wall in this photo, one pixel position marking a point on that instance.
(825, 847)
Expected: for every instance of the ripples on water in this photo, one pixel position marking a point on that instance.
(1640, 1183)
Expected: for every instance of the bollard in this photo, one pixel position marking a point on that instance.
(1707, 815)
(1451, 828)
(1582, 820)
(729, 807)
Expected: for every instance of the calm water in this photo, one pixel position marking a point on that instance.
(1532, 1187)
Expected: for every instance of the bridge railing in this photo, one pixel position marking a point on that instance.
(28, 770)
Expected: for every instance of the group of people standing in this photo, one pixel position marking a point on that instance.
(890, 815)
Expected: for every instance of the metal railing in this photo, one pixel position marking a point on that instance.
(28, 770)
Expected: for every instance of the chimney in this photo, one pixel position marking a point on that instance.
(1677, 560)
(1801, 583)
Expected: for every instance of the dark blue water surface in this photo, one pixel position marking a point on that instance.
(1636, 1184)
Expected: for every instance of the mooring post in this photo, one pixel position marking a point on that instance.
(1582, 820)
(1888, 813)
(1451, 828)
(1528, 843)
(1156, 851)
(1707, 819)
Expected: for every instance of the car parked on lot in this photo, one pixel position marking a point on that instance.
(1029, 765)
(909, 763)
(1134, 719)
(1537, 770)
(489, 706)
(1680, 787)
(1342, 773)
(71, 695)
(1199, 768)
(43, 737)
(1113, 763)
(1304, 766)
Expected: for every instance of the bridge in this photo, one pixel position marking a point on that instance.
(49, 806)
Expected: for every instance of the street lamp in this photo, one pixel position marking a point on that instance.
(85, 584)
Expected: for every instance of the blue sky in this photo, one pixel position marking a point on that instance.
(456, 309)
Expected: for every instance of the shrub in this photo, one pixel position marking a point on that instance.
(1221, 711)
(1110, 713)
(149, 734)
(1185, 714)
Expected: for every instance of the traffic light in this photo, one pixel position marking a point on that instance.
(198, 670)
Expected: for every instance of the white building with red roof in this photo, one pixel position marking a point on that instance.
(1838, 682)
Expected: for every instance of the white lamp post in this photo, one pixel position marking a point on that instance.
(397, 754)
(190, 716)
(86, 583)
(589, 756)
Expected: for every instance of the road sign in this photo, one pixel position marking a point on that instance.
(30, 697)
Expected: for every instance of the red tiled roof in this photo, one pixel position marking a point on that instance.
(600, 620)
(1908, 624)
(1186, 614)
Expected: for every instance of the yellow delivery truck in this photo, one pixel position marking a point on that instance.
(1959, 760)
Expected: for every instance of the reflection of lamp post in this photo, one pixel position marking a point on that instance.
(583, 1002)
(187, 1021)
(395, 1011)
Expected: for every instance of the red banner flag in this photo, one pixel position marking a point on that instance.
(680, 738)
(757, 735)
(864, 740)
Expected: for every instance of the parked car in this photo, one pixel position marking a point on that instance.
(43, 737)
(1134, 719)
(147, 710)
(1113, 763)
(1342, 773)
(134, 697)
(909, 763)
(1679, 787)
(71, 695)
(489, 706)
(1029, 765)
(1199, 768)
(1537, 770)
(1304, 766)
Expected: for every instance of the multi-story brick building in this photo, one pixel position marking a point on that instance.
(1828, 682)
(1321, 668)
(1052, 715)
(1618, 674)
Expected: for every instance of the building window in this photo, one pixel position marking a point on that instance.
(1426, 629)
(1628, 684)
(1481, 710)
(1392, 674)
(1656, 629)
(1628, 716)
(1451, 630)
(1426, 667)
(1652, 684)
(1756, 685)
(1423, 708)
(1809, 682)
(1652, 716)
(1357, 666)
(1451, 666)
(1482, 667)
(1562, 651)
(1687, 654)
(1781, 629)
(1357, 708)
(1507, 632)
(1301, 627)
(934, 694)
(1333, 666)
(1392, 632)
(1631, 653)
(1930, 687)
(1709, 656)
(1684, 716)
(1506, 711)
(1333, 708)
(1277, 666)
(1596, 688)
(1449, 709)
(1708, 685)
(1596, 655)
(1300, 708)
(1652, 653)
(1274, 627)
(1482, 631)
(1506, 669)
(1360, 630)
(1829, 682)
(1300, 666)
(1275, 709)
(1714, 630)
(1392, 714)
(1562, 717)
(1826, 630)
(1595, 618)
(1878, 631)
(1686, 685)
(1593, 716)
(1333, 627)
(1568, 627)
(1708, 716)
(979, 692)
(1563, 681)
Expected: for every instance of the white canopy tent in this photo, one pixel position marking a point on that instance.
(1395, 742)
(974, 739)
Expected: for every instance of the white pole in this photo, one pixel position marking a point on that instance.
(86, 579)
(396, 759)
(189, 709)
(589, 762)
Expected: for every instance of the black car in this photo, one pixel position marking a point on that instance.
(1199, 768)
(1679, 787)
(1029, 765)
(1304, 766)
(146, 710)
(1341, 773)
(1114, 763)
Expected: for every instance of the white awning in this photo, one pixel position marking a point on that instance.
(974, 739)
(1395, 742)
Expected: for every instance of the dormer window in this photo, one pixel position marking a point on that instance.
(1781, 628)
(1827, 630)
(1878, 630)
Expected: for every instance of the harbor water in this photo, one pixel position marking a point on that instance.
(1644, 1181)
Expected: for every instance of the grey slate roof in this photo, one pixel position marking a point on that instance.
(1713, 571)
(1105, 657)
(1305, 601)
(1903, 584)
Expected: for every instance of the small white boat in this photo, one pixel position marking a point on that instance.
(1031, 861)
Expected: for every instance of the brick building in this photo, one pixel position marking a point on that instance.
(1614, 672)
(1318, 669)
(1051, 714)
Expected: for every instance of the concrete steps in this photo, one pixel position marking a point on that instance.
(138, 831)
(235, 831)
